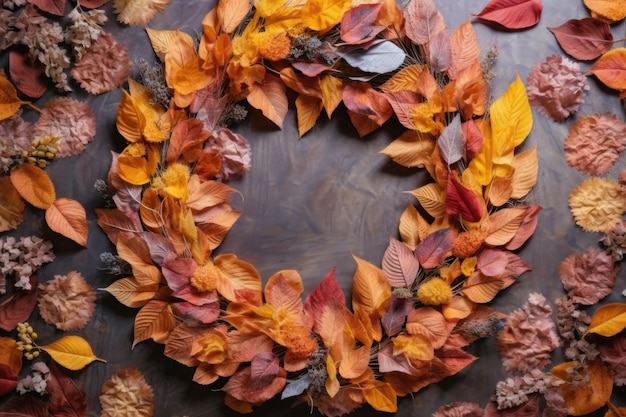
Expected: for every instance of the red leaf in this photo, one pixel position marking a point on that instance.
(27, 74)
(396, 314)
(8, 379)
(259, 382)
(473, 138)
(65, 398)
(24, 406)
(400, 264)
(326, 292)
(357, 24)
(512, 14)
(55, 7)
(361, 98)
(528, 409)
(463, 202)
(18, 307)
(436, 247)
(584, 39)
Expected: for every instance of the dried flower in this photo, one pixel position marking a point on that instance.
(588, 276)
(529, 337)
(153, 78)
(516, 390)
(597, 204)
(615, 241)
(37, 382)
(458, 409)
(85, 30)
(22, 258)
(127, 393)
(273, 47)
(114, 264)
(67, 301)
(556, 87)
(234, 150)
(434, 292)
(15, 139)
(466, 244)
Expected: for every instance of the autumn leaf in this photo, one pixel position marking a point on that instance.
(332, 93)
(399, 264)
(231, 12)
(608, 320)
(130, 293)
(611, 69)
(18, 307)
(71, 352)
(371, 293)
(138, 12)
(480, 288)
(411, 149)
(423, 21)
(325, 292)
(258, 382)
(464, 49)
(381, 396)
(354, 362)
(8, 379)
(413, 227)
(526, 165)
(27, 73)
(609, 11)
(451, 142)
(503, 225)
(395, 317)
(435, 248)
(154, 321)
(308, 110)
(68, 218)
(584, 39)
(585, 398)
(321, 15)
(512, 14)
(357, 25)
(55, 7)
(64, 399)
(432, 199)
(11, 205)
(429, 322)
(34, 185)
(10, 355)
(462, 202)
(270, 97)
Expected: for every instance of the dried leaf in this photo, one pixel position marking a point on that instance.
(154, 321)
(18, 307)
(512, 14)
(239, 280)
(259, 382)
(10, 355)
(308, 110)
(68, 217)
(608, 320)
(526, 229)
(503, 225)
(67, 301)
(270, 98)
(588, 276)
(71, 352)
(34, 185)
(65, 398)
(462, 202)
(608, 10)
(413, 227)
(395, 317)
(406, 79)
(432, 199)
(321, 15)
(127, 393)
(332, 93)
(231, 13)
(399, 264)
(9, 102)
(357, 24)
(104, 67)
(435, 248)
(138, 12)
(361, 98)
(584, 39)
(27, 73)
(480, 288)
(586, 398)
(354, 362)
(381, 396)
(451, 142)
(428, 322)
(11, 205)
(464, 49)
(370, 293)
(128, 292)
(611, 69)
(597, 204)
(325, 292)
(410, 149)
(55, 7)
(381, 58)
(524, 178)
(423, 21)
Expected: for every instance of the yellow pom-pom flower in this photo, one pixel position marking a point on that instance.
(434, 292)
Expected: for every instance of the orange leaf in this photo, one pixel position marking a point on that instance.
(355, 362)
(411, 149)
(10, 355)
(68, 217)
(503, 225)
(238, 279)
(34, 185)
(9, 102)
(524, 178)
(381, 396)
(413, 227)
(270, 98)
(427, 321)
(432, 199)
(11, 205)
(370, 292)
(308, 109)
(608, 320)
(480, 288)
(407, 79)
(332, 92)
(458, 308)
(72, 352)
(585, 398)
(500, 190)
(607, 10)
(129, 292)
(611, 69)
(134, 250)
(283, 289)
(231, 12)
(130, 120)
(465, 48)
(155, 320)
(113, 222)
(330, 326)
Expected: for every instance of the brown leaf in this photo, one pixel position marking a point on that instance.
(113, 222)
(259, 382)
(8, 379)
(11, 205)
(584, 39)
(27, 73)
(65, 398)
(270, 98)
(34, 185)
(68, 217)
(586, 398)
(18, 307)
(357, 25)
(436, 247)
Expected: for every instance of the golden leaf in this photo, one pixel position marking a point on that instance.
(129, 292)
(34, 185)
(270, 98)
(154, 321)
(500, 190)
(354, 362)
(608, 320)
(413, 228)
(480, 288)
(150, 210)
(526, 166)
(407, 79)
(10, 355)
(481, 165)
(381, 396)
(231, 12)
(162, 40)
(585, 398)
(370, 292)
(321, 15)
(332, 383)
(11, 205)
(237, 276)
(417, 347)
(511, 121)
(133, 165)
(68, 217)
(138, 12)
(71, 352)
(130, 120)
(411, 149)
(190, 77)
(308, 110)
(432, 199)
(9, 102)
(332, 93)
(607, 10)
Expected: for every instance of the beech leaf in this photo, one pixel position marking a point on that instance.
(512, 14)
(34, 185)
(423, 21)
(396, 314)
(608, 320)
(55, 7)
(464, 49)
(321, 15)
(68, 217)
(399, 264)
(154, 321)
(381, 58)
(71, 352)
(432, 199)
(451, 141)
(270, 98)
(231, 13)
(357, 25)
(27, 73)
(65, 399)
(611, 69)
(11, 205)
(410, 149)
(462, 202)
(584, 39)
(436, 247)
(325, 292)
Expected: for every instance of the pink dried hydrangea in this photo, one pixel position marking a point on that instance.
(459, 409)
(595, 142)
(234, 150)
(613, 352)
(67, 301)
(15, 137)
(529, 337)
(588, 276)
(557, 87)
(73, 121)
(104, 67)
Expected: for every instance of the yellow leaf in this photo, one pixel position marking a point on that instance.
(511, 121)
(407, 79)
(321, 15)
(432, 199)
(381, 396)
(608, 320)
(68, 217)
(332, 93)
(154, 321)
(607, 10)
(190, 77)
(526, 166)
(71, 352)
(9, 102)
(130, 293)
(411, 149)
(10, 355)
(270, 98)
(34, 185)
(133, 165)
(11, 205)
(371, 292)
(481, 165)
(308, 110)
(417, 347)
(231, 12)
(162, 40)
(585, 398)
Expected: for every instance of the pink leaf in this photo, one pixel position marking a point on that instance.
(396, 314)
(584, 39)
(423, 21)
(206, 313)
(55, 7)
(440, 51)
(512, 14)
(526, 228)
(463, 202)
(497, 263)
(402, 102)
(357, 24)
(528, 409)
(473, 138)
(400, 264)
(436, 247)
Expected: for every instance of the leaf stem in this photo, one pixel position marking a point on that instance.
(614, 409)
(32, 106)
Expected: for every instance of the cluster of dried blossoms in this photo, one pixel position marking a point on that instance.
(410, 319)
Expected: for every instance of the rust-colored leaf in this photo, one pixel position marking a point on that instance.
(154, 321)
(270, 97)
(585, 398)
(34, 185)
(55, 7)
(584, 39)
(462, 202)
(18, 307)
(611, 69)
(325, 292)
(355, 362)
(357, 25)
(512, 14)
(11, 205)
(27, 73)
(68, 218)
(428, 322)
(9, 102)
(503, 225)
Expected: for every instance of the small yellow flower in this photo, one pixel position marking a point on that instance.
(434, 292)
(210, 348)
(468, 266)
(174, 180)
(205, 277)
